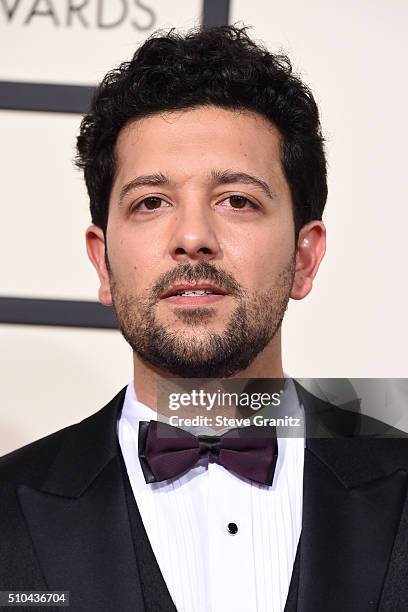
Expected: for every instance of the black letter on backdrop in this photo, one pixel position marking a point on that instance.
(44, 13)
(76, 8)
(9, 12)
(111, 24)
(151, 14)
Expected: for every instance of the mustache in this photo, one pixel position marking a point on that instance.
(201, 272)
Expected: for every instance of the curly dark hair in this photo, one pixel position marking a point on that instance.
(218, 66)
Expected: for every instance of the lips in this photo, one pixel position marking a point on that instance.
(179, 288)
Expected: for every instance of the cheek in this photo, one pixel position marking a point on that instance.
(132, 260)
(264, 257)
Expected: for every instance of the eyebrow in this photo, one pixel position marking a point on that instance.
(219, 177)
(222, 177)
(145, 180)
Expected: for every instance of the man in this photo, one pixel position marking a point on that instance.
(204, 163)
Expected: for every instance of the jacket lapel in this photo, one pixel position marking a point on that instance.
(78, 519)
(353, 496)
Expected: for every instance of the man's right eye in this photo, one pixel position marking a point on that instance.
(149, 203)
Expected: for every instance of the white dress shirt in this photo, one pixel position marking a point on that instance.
(206, 568)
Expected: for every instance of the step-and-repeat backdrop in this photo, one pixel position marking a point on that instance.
(352, 54)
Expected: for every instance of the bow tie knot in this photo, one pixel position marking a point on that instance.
(166, 451)
(209, 445)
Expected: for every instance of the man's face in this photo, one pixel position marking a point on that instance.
(199, 199)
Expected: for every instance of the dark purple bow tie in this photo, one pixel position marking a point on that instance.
(166, 451)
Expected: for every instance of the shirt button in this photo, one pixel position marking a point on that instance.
(232, 528)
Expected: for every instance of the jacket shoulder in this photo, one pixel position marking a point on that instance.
(30, 463)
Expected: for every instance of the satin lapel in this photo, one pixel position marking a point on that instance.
(395, 592)
(79, 523)
(348, 532)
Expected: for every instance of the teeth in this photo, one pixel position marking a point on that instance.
(198, 292)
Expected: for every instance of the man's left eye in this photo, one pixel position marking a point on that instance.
(239, 202)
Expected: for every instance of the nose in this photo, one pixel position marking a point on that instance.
(193, 235)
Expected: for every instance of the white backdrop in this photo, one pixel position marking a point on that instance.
(352, 54)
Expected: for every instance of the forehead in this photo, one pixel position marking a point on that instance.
(195, 140)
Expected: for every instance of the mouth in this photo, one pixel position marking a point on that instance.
(190, 294)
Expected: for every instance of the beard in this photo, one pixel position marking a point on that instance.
(254, 321)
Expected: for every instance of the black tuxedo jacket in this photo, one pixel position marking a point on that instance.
(68, 520)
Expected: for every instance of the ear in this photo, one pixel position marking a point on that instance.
(95, 246)
(311, 248)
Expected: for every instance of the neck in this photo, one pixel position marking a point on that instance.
(268, 364)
